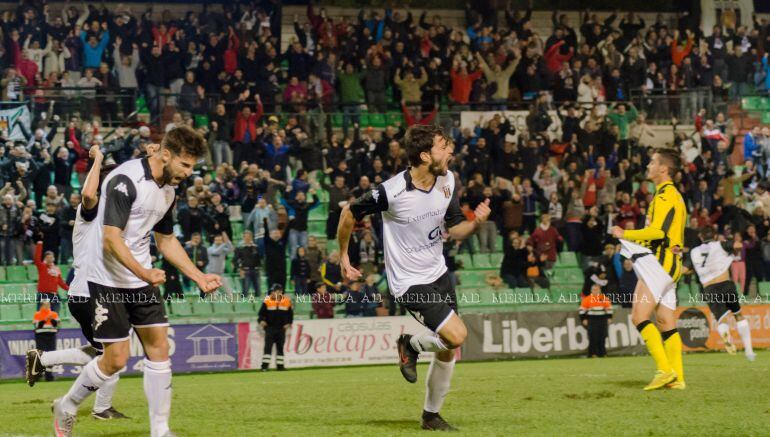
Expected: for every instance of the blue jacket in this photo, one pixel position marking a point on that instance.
(92, 56)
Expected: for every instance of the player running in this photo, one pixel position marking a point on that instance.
(658, 265)
(712, 260)
(137, 199)
(417, 205)
(78, 299)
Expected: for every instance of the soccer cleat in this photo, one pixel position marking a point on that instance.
(660, 380)
(108, 414)
(34, 368)
(729, 346)
(676, 385)
(407, 358)
(751, 357)
(434, 422)
(63, 422)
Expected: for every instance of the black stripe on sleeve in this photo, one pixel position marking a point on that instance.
(88, 214)
(371, 202)
(120, 195)
(166, 225)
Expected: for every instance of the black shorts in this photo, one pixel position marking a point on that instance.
(431, 304)
(116, 310)
(721, 298)
(81, 309)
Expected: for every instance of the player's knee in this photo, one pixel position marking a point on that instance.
(113, 360)
(158, 350)
(636, 319)
(455, 337)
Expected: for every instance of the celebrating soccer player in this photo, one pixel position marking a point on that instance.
(417, 205)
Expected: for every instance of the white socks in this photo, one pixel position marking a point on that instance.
(89, 380)
(724, 332)
(157, 388)
(427, 342)
(745, 332)
(437, 384)
(74, 356)
(104, 394)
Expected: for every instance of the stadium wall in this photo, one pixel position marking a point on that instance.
(372, 340)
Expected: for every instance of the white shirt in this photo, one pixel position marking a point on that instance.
(710, 260)
(134, 202)
(84, 246)
(413, 223)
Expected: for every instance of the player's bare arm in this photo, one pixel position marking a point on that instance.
(91, 184)
(345, 228)
(467, 228)
(173, 251)
(116, 246)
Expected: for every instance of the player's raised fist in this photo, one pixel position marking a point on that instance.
(617, 232)
(482, 211)
(209, 282)
(348, 271)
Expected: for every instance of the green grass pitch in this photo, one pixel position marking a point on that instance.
(725, 396)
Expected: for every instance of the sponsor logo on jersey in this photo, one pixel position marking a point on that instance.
(121, 187)
(376, 195)
(447, 192)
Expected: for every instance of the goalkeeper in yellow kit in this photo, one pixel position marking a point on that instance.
(656, 253)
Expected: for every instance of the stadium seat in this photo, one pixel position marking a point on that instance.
(466, 261)
(541, 295)
(472, 279)
(377, 121)
(65, 270)
(303, 308)
(488, 297)
(244, 307)
(565, 294)
(481, 261)
(32, 274)
(316, 227)
(496, 260)
(764, 289)
(569, 275)
(202, 307)
(11, 312)
(2, 274)
(16, 273)
(181, 308)
(568, 259)
(28, 311)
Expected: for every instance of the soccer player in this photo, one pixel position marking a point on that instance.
(658, 265)
(417, 205)
(137, 200)
(711, 260)
(78, 299)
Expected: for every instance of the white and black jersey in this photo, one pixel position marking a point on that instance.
(134, 202)
(711, 259)
(84, 249)
(413, 223)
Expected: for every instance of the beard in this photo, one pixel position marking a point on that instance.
(167, 176)
(436, 169)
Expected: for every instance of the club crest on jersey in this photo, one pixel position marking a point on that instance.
(447, 193)
(376, 195)
(122, 188)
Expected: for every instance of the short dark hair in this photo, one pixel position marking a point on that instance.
(184, 140)
(419, 139)
(706, 233)
(670, 158)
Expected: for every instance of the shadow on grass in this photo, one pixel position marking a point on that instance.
(629, 383)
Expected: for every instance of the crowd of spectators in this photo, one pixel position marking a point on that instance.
(265, 114)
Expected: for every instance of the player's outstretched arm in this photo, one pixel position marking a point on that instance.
(173, 251)
(91, 184)
(466, 228)
(344, 229)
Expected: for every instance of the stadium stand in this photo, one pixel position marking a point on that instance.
(551, 112)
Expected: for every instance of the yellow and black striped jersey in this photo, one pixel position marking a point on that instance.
(664, 231)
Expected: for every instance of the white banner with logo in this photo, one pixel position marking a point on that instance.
(518, 119)
(330, 342)
(12, 120)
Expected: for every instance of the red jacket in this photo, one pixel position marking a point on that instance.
(410, 120)
(242, 124)
(554, 59)
(49, 277)
(544, 242)
(231, 54)
(461, 85)
(81, 163)
(323, 305)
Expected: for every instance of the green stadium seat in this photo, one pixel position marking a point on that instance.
(244, 307)
(522, 295)
(765, 119)
(496, 259)
(541, 295)
(565, 295)
(316, 227)
(568, 276)
(16, 273)
(568, 259)
(28, 311)
(764, 289)
(2, 274)
(392, 117)
(11, 312)
(488, 297)
(65, 270)
(304, 308)
(202, 307)
(466, 260)
(237, 229)
(481, 261)
(683, 295)
(472, 279)
(377, 120)
(32, 274)
(181, 308)
(336, 118)
(363, 119)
